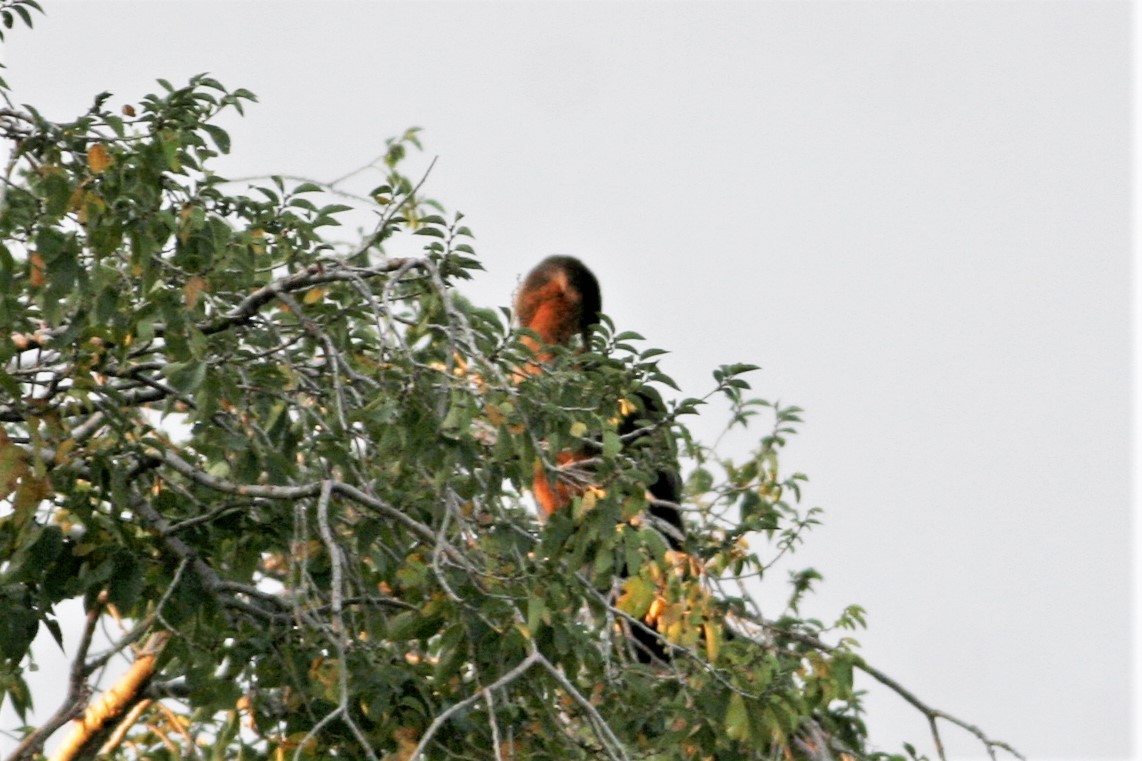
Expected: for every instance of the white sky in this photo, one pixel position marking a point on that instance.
(914, 216)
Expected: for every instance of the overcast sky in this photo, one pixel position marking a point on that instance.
(914, 216)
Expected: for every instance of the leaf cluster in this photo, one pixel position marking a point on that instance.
(306, 462)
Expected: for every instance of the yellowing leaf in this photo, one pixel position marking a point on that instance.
(737, 718)
(87, 204)
(29, 494)
(12, 465)
(258, 240)
(636, 597)
(578, 428)
(590, 499)
(63, 450)
(192, 289)
(75, 200)
(98, 159)
(537, 613)
(713, 641)
(313, 295)
(36, 269)
(495, 417)
(184, 221)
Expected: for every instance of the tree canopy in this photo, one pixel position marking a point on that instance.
(287, 470)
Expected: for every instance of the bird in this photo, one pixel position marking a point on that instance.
(559, 302)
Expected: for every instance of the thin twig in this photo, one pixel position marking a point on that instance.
(931, 714)
(77, 696)
(342, 711)
(599, 725)
(515, 673)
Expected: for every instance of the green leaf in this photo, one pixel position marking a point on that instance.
(536, 612)
(219, 136)
(841, 670)
(736, 721)
(126, 582)
(18, 628)
(27, 17)
(612, 444)
(700, 481)
(186, 377)
(57, 193)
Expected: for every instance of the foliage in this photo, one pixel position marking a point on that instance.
(294, 471)
(10, 10)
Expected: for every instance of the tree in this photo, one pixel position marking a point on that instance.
(290, 473)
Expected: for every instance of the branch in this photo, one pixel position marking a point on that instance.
(314, 274)
(931, 714)
(342, 710)
(293, 493)
(209, 577)
(532, 659)
(88, 734)
(13, 413)
(391, 212)
(125, 724)
(77, 693)
(599, 725)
